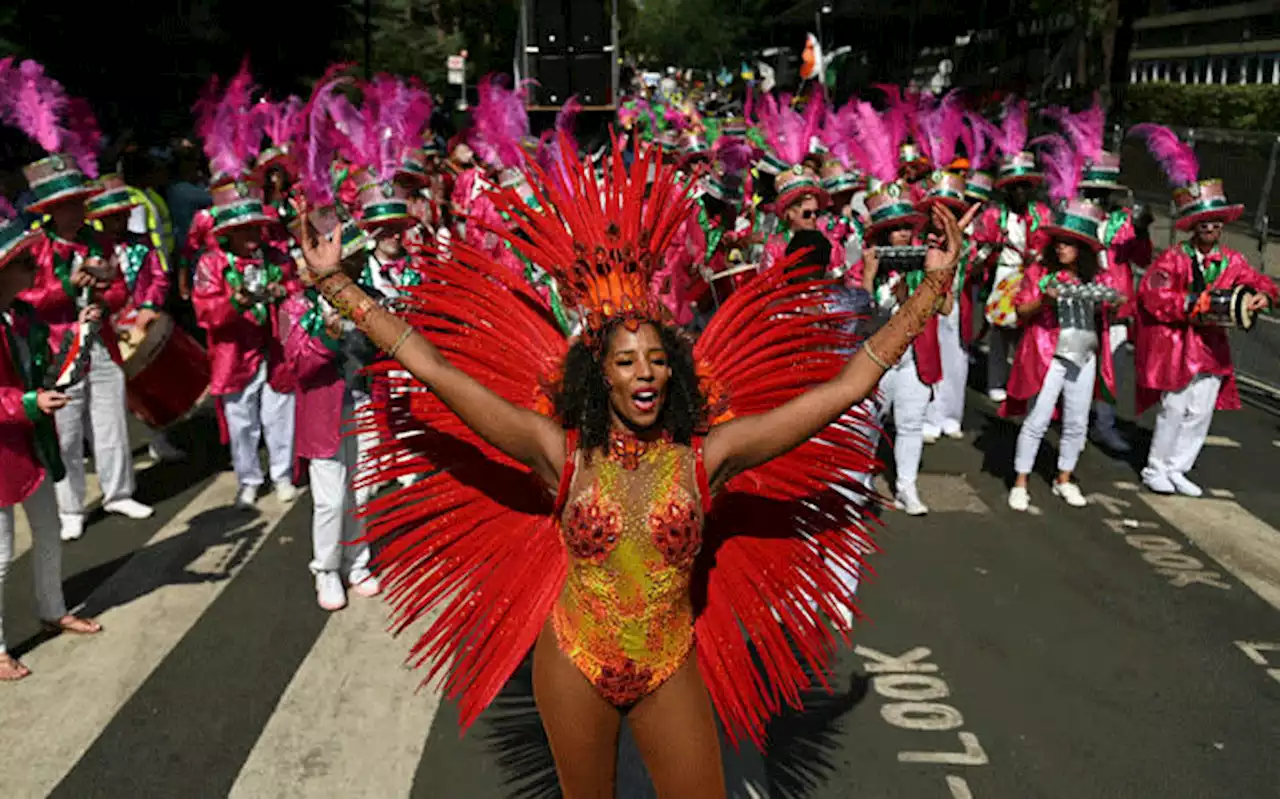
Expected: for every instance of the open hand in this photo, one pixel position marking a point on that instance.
(50, 401)
(945, 258)
(323, 254)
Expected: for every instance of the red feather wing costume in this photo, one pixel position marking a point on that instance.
(477, 538)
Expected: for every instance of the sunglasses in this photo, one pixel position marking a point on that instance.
(1212, 225)
(808, 213)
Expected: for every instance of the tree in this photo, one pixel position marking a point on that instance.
(697, 34)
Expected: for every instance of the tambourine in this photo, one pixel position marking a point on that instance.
(1222, 308)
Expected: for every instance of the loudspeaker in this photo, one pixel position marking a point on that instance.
(550, 22)
(559, 77)
(588, 24)
(589, 77)
(552, 74)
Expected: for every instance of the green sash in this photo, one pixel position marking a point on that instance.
(33, 375)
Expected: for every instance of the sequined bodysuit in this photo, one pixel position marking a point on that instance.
(633, 526)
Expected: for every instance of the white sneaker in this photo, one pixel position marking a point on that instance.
(954, 433)
(931, 435)
(998, 395)
(248, 497)
(1159, 484)
(1019, 499)
(130, 508)
(329, 591)
(844, 618)
(1070, 493)
(364, 582)
(286, 492)
(72, 526)
(908, 500)
(1112, 440)
(1184, 486)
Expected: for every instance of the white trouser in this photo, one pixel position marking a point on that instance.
(945, 413)
(333, 523)
(101, 395)
(1074, 384)
(908, 398)
(46, 553)
(1105, 412)
(1182, 425)
(256, 412)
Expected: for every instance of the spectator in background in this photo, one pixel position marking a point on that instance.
(148, 175)
(187, 195)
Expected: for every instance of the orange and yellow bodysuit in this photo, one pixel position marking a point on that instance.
(633, 527)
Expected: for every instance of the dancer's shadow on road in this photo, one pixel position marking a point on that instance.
(798, 762)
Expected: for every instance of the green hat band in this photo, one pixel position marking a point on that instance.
(108, 202)
(838, 183)
(887, 212)
(1079, 224)
(773, 165)
(68, 181)
(1208, 204)
(12, 236)
(1018, 171)
(354, 240)
(237, 212)
(389, 211)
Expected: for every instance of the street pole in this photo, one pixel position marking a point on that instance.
(817, 21)
(368, 39)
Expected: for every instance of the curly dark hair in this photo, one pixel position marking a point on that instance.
(1086, 259)
(582, 399)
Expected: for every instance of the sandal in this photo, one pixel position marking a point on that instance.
(72, 624)
(11, 669)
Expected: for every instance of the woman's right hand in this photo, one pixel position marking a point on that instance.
(323, 254)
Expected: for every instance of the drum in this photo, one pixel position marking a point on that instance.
(724, 283)
(1223, 308)
(166, 371)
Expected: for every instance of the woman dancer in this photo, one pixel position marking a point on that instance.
(610, 583)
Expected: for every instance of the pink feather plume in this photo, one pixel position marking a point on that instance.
(82, 139)
(39, 106)
(500, 123)
(839, 134)
(320, 138)
(1013, 128)
(940, 128)
(735, 154)
(878, 136)
(979, 135)
(787, 131)
(233, 134)
(1062, 167)
(1177, 159)
(1085, 130)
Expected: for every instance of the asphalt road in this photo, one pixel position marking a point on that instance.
(1122, 650)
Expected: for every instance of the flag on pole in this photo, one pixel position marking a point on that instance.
(811, 65)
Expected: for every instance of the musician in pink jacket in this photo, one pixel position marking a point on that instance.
(1186, 301)
(28, 443)
(239, 286)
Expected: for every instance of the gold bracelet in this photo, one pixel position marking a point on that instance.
(404, 336)
(876, 359)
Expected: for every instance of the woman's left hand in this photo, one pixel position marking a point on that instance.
(1258, 302)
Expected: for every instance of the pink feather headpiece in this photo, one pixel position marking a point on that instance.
(940, 128)
(500, 123)
(979, 135)
(1013, 128)
(1062, 166)
(553, 143)
(878, 137)
(788, 132)
(839, 134)
(1085, 130)
(39, 106)
(1177, 159)
(232, 132)
(320, 138)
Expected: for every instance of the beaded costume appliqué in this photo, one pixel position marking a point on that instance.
(633, 530)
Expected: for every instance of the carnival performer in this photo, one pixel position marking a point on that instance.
(1183, 355)
(1005, 229)
(326, 357)
(612, 608)
(73, 272)
(28, 442)
(1067, 302)
(144, 274)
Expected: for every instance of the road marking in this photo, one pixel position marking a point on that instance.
(1221, 441)
(1125, 486)
(1254, 649)
(1159, 551)
(1222, 493)
(1242, 543)
(80, 683)
(909, 682)
(350, 722)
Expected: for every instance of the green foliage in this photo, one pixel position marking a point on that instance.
(696, 34)
(1231, 107)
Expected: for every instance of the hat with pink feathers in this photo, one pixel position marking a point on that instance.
(1194, 200)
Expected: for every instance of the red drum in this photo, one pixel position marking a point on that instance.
(166, 371)
(723, 284)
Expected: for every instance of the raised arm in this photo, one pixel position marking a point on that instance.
(749, 441)
(531, 439)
